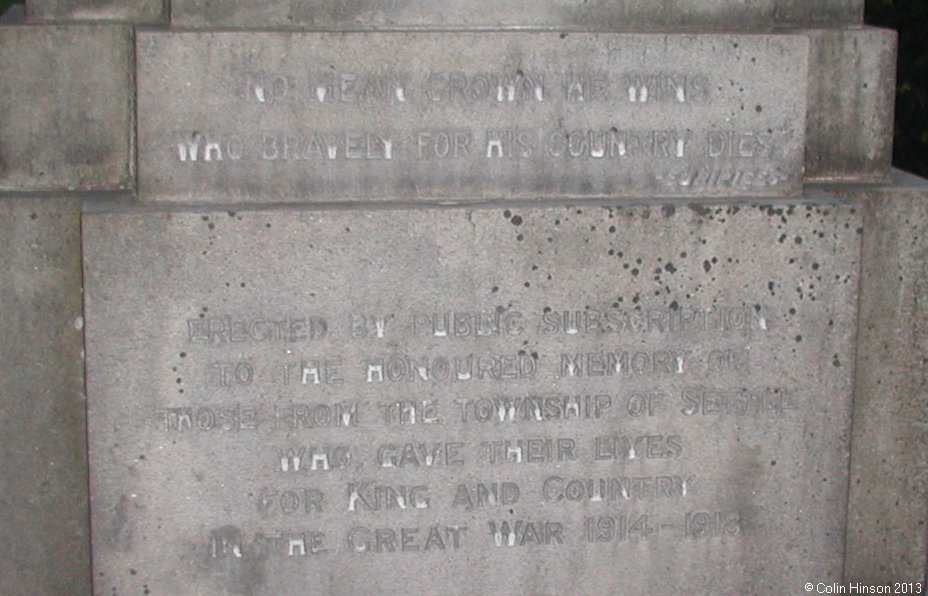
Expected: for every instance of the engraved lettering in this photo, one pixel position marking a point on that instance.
(441, 369)
(517, 451)
(462, 88)
(325, 372)
(362, 539)
(408, 412)
(272, 502)
(369, 326)
(666, 87)
(299, 415)
(481, 494)
(524, 532)
(443, 144)
(616, 489)
(232, 329)
(312, 459)
(705, 401)
(328, 146)
(637, 447)
(599, 364)
(540, 408)
(416, 455)
(367, 496)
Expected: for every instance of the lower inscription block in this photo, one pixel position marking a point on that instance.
(495, 401)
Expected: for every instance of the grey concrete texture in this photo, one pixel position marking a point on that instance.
(126, 11)
(290, 398)
(887, 535)
(43, 464)
(65, 107)
(562, 15)
(852, 91)
(13, 15)
(301, 117)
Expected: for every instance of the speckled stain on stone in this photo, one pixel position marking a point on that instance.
(560, 269)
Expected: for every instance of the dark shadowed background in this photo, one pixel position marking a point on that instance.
(907, 17)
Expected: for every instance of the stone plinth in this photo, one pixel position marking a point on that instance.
(43, 461)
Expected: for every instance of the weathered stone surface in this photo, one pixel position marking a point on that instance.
(888, 509)
(43, 465)
(697, 358)
(14, 14)
(130, 11)
(599, 15)
(261, 117)
(65, 117)
(852, 90)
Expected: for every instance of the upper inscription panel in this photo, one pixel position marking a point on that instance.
(261, 117)
(598, 15)
(470, 401)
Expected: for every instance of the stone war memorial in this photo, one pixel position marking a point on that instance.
(458, 297)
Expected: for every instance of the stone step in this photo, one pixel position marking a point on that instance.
(125, 11)
(561, 15)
